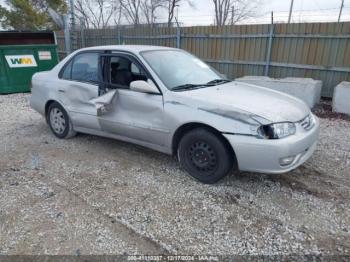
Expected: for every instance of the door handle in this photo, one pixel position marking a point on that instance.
(61, 90)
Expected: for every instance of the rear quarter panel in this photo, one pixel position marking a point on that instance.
(43, 90)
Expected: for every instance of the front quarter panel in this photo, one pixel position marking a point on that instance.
(180, 111)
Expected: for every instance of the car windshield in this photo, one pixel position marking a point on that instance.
(179, 70)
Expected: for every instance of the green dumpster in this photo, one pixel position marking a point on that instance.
(22, 55)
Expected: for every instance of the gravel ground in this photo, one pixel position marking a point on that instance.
(92, 195)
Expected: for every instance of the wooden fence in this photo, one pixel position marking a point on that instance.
(316, 50)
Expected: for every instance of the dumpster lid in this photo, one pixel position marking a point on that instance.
(26, 37)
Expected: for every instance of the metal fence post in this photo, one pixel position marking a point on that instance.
(82, 33)
(269, 47)
(82, 36)
(67, 39)
(178, 37)
(119, 36)
(178, 34)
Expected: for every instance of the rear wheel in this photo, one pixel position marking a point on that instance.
(205, 156)
(59, 121)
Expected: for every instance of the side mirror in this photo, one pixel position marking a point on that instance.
(144, 87)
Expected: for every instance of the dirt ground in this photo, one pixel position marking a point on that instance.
(92, 195)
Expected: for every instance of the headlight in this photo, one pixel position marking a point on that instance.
(308, 122)
(276, 131)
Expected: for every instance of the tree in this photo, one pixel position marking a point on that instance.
(96, 13)
(30, 14)
(131, 10)
(149, 8)
(171, 5)
(136, 10)
(233, 11)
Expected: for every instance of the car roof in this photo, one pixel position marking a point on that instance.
(129, 48)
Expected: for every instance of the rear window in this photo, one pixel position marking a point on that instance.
(83, 68)
(67, 72)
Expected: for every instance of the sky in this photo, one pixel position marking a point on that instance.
(304, 11)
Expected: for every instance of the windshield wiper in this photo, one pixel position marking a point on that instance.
(218, 81)
(195, 86)
(189, 86)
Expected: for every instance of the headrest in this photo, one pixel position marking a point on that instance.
(115, 65)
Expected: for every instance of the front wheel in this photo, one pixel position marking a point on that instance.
(205, 156)
(59, 121)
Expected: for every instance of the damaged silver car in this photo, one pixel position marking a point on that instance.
(171, 101)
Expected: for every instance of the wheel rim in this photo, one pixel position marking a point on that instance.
(202, 156)
(57, 120)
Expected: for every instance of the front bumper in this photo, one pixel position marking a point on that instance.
(260, 155)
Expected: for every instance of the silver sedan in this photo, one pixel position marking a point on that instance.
(171, 101)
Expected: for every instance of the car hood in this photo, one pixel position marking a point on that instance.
(240, 97)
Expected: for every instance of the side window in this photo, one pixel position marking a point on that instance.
(135, 69)
(123, 71)
(85, 67)
(67, 72)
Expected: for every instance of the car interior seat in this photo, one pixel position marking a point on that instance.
(120, 76)
(114, 68)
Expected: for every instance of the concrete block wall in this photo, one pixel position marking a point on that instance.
(306, 89)
(341, 98)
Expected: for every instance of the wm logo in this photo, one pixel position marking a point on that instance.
(21, 61)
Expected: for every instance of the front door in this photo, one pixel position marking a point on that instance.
(132, 114)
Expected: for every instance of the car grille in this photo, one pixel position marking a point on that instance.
(308, 122)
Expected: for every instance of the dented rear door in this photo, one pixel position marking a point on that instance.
(79, 84)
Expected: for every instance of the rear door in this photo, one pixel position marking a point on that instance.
(80, 82)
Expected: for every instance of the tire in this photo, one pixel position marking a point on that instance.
(205, 156)
(59, 121)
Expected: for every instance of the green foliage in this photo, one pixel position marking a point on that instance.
(30, 14)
